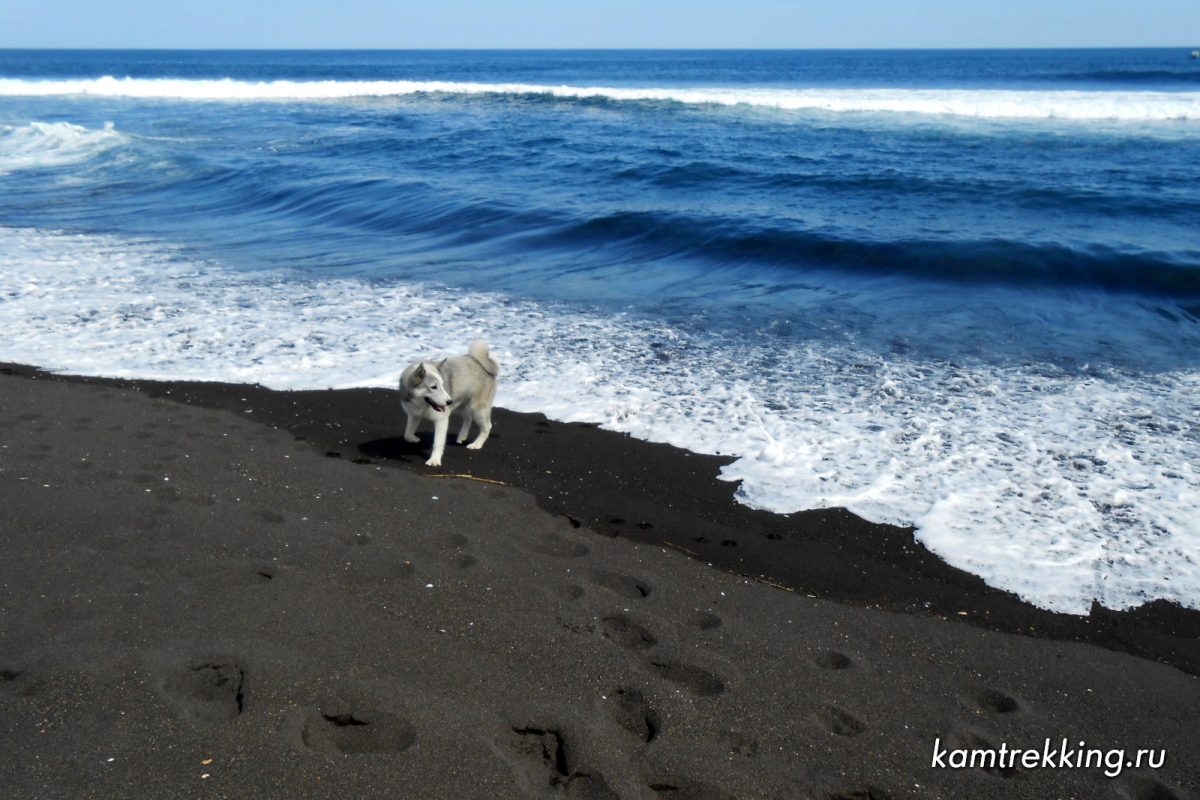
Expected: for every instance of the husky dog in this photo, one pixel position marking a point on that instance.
(460, 385)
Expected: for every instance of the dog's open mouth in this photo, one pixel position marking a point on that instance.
(436, 407)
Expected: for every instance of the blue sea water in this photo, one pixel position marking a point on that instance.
(953, 289)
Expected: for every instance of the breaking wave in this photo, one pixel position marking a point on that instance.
(1126, 106)
(53, 144)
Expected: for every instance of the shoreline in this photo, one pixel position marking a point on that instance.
(657, 494)
(194, 603)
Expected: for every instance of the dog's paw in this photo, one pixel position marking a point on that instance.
(460, 440)
(434, 461)
(474, 445)
(411, 439)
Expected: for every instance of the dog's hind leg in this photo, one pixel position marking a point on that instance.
(483, 418)
(465, 430)
(439, 440)
(410, 428)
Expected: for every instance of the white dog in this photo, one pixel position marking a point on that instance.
(460, 385)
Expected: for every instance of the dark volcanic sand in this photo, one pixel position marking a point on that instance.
(182, 582)
(657, 494)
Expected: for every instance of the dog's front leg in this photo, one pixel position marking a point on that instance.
(439, 440)
(410, 428)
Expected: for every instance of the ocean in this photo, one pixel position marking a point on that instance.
(958, 290)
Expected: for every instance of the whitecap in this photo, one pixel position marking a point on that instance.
(41, 145)
(998, 104)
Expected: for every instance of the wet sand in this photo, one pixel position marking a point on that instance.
(220, 591)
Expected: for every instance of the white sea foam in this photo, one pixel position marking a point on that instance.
(1058, 485)
(53, 144)
(1127, 106)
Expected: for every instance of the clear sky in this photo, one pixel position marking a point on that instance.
(598, 23)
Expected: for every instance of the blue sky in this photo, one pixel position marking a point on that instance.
(599, 23)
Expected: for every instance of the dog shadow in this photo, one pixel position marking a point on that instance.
(394, 448)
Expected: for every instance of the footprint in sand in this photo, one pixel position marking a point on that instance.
(620, 584)
(996, 702)
(696, 680)
(839, 722)
(209, 689)
(552, 544)
(628, 708)
(626, 633)
(832, 659)
(545, 759)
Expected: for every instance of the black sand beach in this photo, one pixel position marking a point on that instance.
(210, 590)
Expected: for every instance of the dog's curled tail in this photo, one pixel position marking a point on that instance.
(479, 351)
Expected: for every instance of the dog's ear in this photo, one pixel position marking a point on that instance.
(418, 374)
